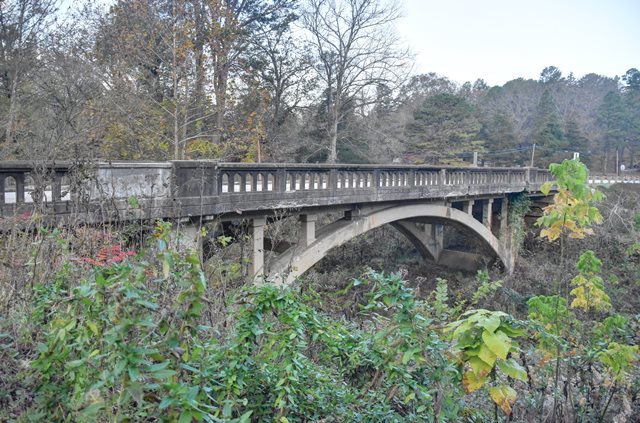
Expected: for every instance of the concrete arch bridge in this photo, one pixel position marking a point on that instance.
(419, 201)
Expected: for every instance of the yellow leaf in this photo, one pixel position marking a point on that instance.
(472, 382)
(499, 343)
(504, 396)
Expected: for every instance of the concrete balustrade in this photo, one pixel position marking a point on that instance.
(183, 189)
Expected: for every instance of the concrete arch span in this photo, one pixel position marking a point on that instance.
(298, 259)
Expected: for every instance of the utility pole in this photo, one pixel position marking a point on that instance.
(533, 153)
(617, 162)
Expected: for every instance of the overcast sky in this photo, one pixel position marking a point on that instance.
(500, 40)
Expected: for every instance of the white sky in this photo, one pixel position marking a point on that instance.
(500, 40)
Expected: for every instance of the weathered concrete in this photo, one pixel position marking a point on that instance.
(210, 190)
(487, 212)
(307, 229)
(299, 259)
(415, 199)
(257, 251)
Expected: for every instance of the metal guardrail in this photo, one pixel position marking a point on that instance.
(596, 179)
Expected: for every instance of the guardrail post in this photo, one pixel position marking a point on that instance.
(443, 176)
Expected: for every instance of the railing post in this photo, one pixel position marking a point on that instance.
(56, 188)
(280, 184)
(443, 176)
(333, 180)
(376, 179)
(19, 188)
(217, 181)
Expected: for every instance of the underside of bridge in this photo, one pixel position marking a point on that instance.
(422, 223)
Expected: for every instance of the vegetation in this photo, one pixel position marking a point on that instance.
(109, 334)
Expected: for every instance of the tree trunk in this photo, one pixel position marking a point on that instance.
(176, 114)
(11, 115)
(221, 80)
(333, 107)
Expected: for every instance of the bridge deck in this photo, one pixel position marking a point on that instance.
(184, 189)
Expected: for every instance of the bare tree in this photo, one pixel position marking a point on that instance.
(357, 50)
(284, 69)
(23, 26)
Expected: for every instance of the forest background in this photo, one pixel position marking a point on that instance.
(280, 81)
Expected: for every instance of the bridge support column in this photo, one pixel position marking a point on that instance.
(257, 251)
(487, 211)
(467, 206)
(504, 219)
(187, 237)
(308, 229)
(435, 237)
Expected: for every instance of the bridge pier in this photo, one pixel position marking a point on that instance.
(504, 219)
(257, 250)
(308, 229)
(467, 206)
(187, 237)
(487, 212)
(435, 239)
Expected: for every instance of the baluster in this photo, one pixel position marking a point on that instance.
(19, 188)
(56, 189)
(333, 179)
(2, 200)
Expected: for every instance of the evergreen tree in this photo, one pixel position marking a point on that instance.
(612, 119)
(547, 133)
(500, 137)
(443, 127)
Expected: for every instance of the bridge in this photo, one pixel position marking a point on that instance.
(419, 201)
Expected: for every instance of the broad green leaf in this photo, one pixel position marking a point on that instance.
(497, 342)
(487, 355)
(504, 396)
(513, 369)
(490, 323)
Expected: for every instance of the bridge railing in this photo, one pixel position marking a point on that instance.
(24, 182)
(609, 179)
(194, 179)
(55, 187)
